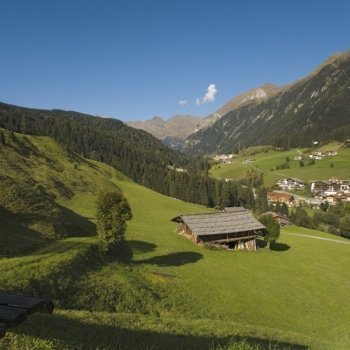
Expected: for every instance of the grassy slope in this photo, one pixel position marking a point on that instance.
(186, 294)
(267, 161)
(281, 289)
(39, 179)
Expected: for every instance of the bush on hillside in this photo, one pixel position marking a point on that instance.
(113, 211)
(272, 229)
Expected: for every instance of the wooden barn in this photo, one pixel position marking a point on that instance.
(236, 228)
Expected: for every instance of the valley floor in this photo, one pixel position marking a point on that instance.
(164, 292)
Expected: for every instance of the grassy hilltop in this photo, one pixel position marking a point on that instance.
(163, 292)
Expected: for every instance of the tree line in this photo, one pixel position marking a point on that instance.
(135, 153)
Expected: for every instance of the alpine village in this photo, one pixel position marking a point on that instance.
(228, 230)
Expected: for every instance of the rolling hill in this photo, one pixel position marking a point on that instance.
(314, 108)
(164, 292)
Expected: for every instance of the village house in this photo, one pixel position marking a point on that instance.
(336, 198)
(281, 197)
(224, 158)
(344, 188)
(319, 197)
(331, 153)
(235, 228)
(281, 219)
(316, 155)
(314, 203)
(291, 184)
(331, 199)
(322, 186)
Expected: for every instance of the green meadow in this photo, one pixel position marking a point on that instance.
(164, 292)
(266, 163)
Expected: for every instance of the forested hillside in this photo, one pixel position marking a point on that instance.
(314, 108)
(135, 153)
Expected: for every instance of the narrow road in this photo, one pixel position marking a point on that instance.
(316, 237)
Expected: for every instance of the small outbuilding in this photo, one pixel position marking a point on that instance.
(236, 228)
(281, 219)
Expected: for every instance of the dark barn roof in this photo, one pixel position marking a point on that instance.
(232, 220)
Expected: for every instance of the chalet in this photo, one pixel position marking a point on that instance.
(315, 202)
(320, 186)
(281, 219)
(319, 197)
(290, 184)
(316, 156)
(281, 197)
(331, 153)
(331, 199)
(236, 228)
(345, 188)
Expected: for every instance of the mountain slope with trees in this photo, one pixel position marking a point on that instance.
(314, 108)
(135, 153)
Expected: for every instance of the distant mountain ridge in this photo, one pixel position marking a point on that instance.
(178, 126)
(315, 107)
(174, 131)
(253, 95)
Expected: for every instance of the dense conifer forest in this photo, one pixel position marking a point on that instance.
(135, 153)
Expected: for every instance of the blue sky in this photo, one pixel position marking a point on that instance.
(133, 59)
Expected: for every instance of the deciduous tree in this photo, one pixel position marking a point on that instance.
(272, 229)
(113, 211)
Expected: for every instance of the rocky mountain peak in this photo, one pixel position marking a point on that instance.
(254, 95)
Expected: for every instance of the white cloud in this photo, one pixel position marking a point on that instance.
(209, 95)
(183, 102)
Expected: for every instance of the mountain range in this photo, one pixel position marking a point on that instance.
(314, 107)
(175, 130)
(178, 126)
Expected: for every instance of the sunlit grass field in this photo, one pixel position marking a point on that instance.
(267, 163)
(167, 293)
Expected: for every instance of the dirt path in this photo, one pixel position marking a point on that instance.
(316, 237)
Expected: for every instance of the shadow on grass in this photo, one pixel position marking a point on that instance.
(277, 247)
(15, 237)
(142, 247)
(173, 259)
(92, 333)
(126, 249)
(76, 225)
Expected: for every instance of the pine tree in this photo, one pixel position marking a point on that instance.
(284, 209)
(262, 205)
(2, 138)
(225, 195)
